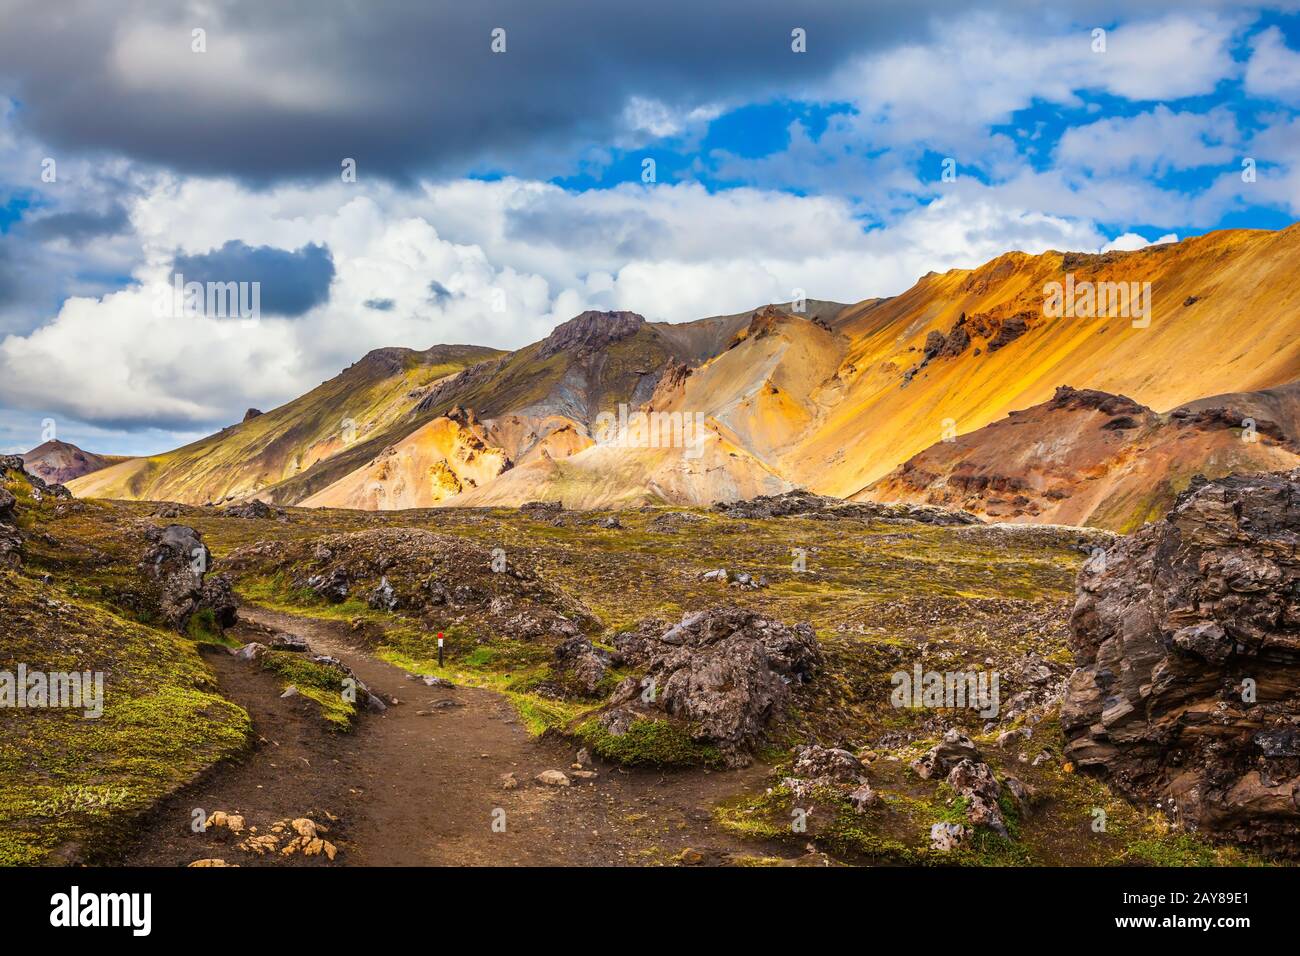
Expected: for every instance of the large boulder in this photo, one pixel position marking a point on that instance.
(953, 748)
(725, 672)
(175, 566)
(1187, 640)
(582, 666)
(11, 542)
(254, 510)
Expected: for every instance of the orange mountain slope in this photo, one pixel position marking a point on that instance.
(1223, 318)
(438, 460)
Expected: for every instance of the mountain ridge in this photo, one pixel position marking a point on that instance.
(833, 398)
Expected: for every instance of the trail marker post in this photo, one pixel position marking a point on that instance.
(440, 648)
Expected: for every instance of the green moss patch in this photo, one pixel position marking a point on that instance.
(70, 785)
(319, 683)
(652, 743)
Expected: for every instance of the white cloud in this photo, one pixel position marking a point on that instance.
(658, 119)
(551, 252)
(1150, 143)
(1131, 241)
(980, 70)
(1273, 71)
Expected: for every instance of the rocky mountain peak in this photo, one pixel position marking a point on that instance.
(590, 332)
(385, 361)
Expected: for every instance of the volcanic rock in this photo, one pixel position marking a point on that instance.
(952, 749)
(726, 672)
(583, 665)
(801, 503)
(175, 564)
(256, 509)
(1187, 640)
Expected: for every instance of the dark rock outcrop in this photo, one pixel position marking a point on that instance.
(13, 469)
(1075, 399)
(581, 665)
(815, 762)
(589, 332)
(255, 509)
(541, 510)
(1011, 329)
(11, 541)
(1187, 640)
(383, 597)
(175, 566)
(817, 768)
(975, 782)
(801, 503)
(953, 748)
(13, 466)
(218, 595)
(725, 672)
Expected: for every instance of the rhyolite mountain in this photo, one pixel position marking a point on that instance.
(904, 398)
(1089, 457)
(58, 462)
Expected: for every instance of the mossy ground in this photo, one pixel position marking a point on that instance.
(319, 683)
(69, 784)
(648, 743)
(880, 596)
(1071, 820)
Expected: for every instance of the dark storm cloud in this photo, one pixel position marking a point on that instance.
(79, 225)
(404, 87)
(291, 282)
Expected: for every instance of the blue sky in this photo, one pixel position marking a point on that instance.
(513, 183)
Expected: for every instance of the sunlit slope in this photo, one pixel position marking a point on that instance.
(606, 476)
(1223, 319)
(436, 461)
(538, 408)
(588, 364)
(744, 404)
(831, 399)
(245, 459)
(763, 391)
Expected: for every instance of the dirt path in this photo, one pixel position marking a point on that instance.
(409, 789)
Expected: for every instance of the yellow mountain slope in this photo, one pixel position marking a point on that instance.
(436, 461)
(1223, 318)
(245, 459)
